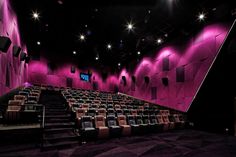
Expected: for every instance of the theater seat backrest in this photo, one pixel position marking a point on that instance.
(121, 120)
(99, 121)
(86, 122)
(13, 108)
(102, 111)
(160, 119)
(134, 112)
(19, 97)
(166, 119)
(111, 121)
(139, 120)
(80, 112)
(15, 102)
(153, 119)
(131, 120)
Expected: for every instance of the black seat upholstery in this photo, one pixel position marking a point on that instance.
(115, 130)
(87, 128)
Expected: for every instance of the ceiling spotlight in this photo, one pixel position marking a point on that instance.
(159, 41)
(130, 26)
(82, 37)
(118, 64)
(138, 52)
(60, 2)
(74, 52)
(201, 16)
(38, 43)
(35, 15)
(109, 46)
(96, 58)
(149, 11)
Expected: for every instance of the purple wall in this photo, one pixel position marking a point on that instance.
(38, 73)
(195, 58)
(8, 64)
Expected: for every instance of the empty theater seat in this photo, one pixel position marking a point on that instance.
(102, 111)
(167, 120)
(15, 102)
(179, 123)
(156, 125)
(91, 112)
(20, 97)
(103, 131)
(119, 112)
(115, 130)
(87, 129)
(132, 122)
(161, 121)
(111, 111)
(126, 129)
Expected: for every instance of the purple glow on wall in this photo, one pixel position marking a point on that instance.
(196, 58)
(17, 70)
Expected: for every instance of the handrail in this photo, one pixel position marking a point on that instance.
(43, 122)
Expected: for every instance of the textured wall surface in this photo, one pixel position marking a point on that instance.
(11, 69)
(192, 62)
(195, 60)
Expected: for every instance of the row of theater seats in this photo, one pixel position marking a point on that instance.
(24, 106)
(100, 114)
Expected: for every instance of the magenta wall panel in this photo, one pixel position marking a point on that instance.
(196, 57)
(17, 70)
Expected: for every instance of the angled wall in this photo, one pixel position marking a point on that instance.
(13, 73)
(175, 75)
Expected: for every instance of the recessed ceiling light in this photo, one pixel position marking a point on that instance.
(38, 43)
(74, 52)
(119, 64)
(85, 26)
(159, 40)
(149, 11)
(35, 15)
(60, 2)
(201, 16)
(82, 37)
(96, 58)
(130, 26)
(138, 52)
(109, 46)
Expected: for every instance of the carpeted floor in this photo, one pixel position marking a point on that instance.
(185, 143)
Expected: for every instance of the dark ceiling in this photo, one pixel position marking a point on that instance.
(102, 22)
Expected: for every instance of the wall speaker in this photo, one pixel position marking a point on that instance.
(133, 79)
(124, 80)
(5, 43)
(146, 79)
(165, 64)
(27, 59)
(165, 81)
(95, 85)
(22, 56)
(16, 51)
(180, 74)
(72, 69)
